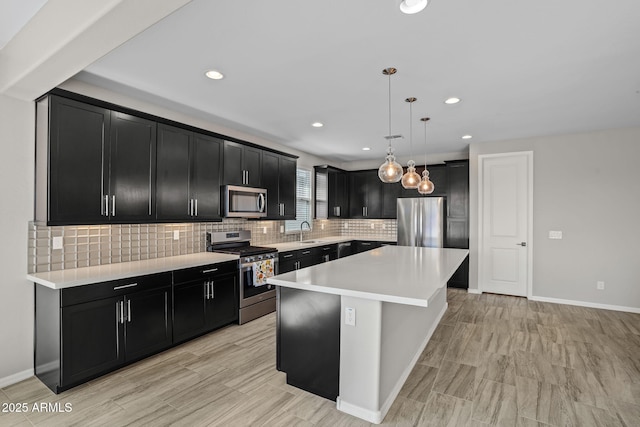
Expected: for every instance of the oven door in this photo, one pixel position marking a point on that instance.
(249, 292)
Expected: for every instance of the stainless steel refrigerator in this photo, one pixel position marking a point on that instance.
(421, 222)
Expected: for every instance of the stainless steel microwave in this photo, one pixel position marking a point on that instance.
(244, 202)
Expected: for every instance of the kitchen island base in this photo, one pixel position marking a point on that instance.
(361, 367)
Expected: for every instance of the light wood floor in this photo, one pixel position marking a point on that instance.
(493, 360)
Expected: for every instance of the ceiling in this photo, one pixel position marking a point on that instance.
(522, 69)
(15, 14)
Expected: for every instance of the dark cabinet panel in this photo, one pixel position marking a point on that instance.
(242, 164)
(92, 340)
(308, 340)
(189, 310)
(206, 164)
(148, 324)
(390, 194)
(460, 278)
(78, 145)
(338, 194)
(223, 307)
(279, 178)
(132, 168)
(365, 191)
(457, 233)
(173, 173)
(365, 245)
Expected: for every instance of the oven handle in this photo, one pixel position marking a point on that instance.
(261, 202)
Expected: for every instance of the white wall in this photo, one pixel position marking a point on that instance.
(17, 142)
(587, 186)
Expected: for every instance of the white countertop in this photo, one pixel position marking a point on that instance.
(309, 243)
(101, 273)
(397, 274)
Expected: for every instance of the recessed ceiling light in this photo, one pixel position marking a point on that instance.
(413, 6)
(452, 100)
(467, 136)
(366, 148)
(317, 124)
(214, 74)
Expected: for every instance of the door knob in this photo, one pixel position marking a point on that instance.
(521, 244)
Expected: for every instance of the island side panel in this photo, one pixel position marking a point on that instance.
(360, 359)
(308, 340)
(406, 330)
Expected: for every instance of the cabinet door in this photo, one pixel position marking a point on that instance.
(173, 172)
(342, 195)
(132, 168)
(270, 181)
(286, 262)
(357, 194)
(92, 339)
(390, 194)
(205, 182)
(223, 303)
(287, 186)
(189, 312)
(438, 175)
(78, 145)
(148, 326)
(252, 163)
(458, 189)
(374, 191)
(233, 171)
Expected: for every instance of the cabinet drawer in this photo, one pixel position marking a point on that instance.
(113, 288)
(197, 273)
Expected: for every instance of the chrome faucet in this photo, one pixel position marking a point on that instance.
(301, 224)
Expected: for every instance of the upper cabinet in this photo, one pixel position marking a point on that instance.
(188, 175)
(93, 165)
(365, 191)
(98, 163)
(279, 179)
(457, 234)
(332, 192)
(242, 164)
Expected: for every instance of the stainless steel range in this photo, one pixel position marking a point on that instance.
(256, 264)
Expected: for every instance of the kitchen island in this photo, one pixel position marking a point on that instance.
(351, 330)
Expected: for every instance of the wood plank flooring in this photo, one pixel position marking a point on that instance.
(493, 360)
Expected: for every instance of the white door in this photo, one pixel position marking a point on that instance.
(505, 213)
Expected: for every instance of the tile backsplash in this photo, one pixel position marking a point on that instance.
(89, 245)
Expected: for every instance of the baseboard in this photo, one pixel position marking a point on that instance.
(358, 411)
(16, 378)
(587, 304)
(474, 291)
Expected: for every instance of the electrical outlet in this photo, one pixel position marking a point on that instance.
(600, 285)
(346, 225)
(264, 230)
(322, 226)
(57, 242)
(373, 226)
(282, 228)
(384, 226)
(350, 316)
(176, 234)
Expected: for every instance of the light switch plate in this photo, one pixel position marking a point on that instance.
(555, 235)
(350, 316)
(176, 234)
(282, 228)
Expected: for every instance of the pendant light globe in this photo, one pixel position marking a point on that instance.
(425, 186)
(411, 179)
(390, 171)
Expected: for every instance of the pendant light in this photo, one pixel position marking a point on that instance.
(425, 186)
(390, 171)
(411, 179)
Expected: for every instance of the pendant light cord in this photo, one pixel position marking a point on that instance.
(411, 128)
(389, 134)
(425, 145)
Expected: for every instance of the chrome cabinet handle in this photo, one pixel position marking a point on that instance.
(106, 205)
(113, 205)
(129, 310)
(196, 211)
(212, 294)
(306, 252)
(190, 209)
(121, 311)
(287, 256)
(125, 286)
(521, 244)
(211, 270)
(338, 209)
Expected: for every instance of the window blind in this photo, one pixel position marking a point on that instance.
(303, 200)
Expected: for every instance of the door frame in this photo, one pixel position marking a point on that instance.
(481, 165)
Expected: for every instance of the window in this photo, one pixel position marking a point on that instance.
(303, 201)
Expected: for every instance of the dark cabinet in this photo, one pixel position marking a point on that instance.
(279, 179)
(457, 232)
(89, 330)
(331, 192)
(100, 166)
(242, 164)
(365, 245)
(204, 298)
(324, 253)
(188, 175)
(295, 260)
(365, 191)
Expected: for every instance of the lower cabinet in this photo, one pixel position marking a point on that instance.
(204, 299)
(87, 331)
(365, 245)
(295, 260)
(324, 253)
